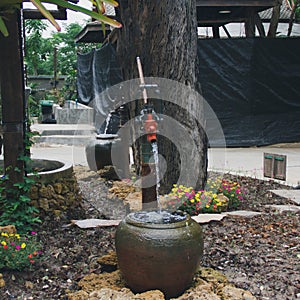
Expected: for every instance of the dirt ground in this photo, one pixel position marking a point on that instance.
(260, 254)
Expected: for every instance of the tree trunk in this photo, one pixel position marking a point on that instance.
(164, 35)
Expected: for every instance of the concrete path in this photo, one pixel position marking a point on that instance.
(249, 161)
(242, 161)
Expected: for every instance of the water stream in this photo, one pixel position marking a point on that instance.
(107, 123)
(156, 161)
(153, 217)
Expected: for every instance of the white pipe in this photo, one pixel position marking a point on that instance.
(142, 79)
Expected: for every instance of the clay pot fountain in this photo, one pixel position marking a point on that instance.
(159, 250)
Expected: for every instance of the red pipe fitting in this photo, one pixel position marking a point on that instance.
(150, 128)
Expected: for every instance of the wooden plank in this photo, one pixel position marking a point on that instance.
(280, 167)
(268, 165)
(216, 32)
(59, 14)
(228, 3)
(12, 95)
(259, 25)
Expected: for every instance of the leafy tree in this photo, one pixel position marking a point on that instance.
(38, 49)
(40, 54)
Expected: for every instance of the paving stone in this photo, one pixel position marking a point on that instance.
(206, 218)
(93, 223)
(243, 213)
(282, 208)
(293, 195)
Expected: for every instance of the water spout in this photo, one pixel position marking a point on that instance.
(107, 123)
(156, 161)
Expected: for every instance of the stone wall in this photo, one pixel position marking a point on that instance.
(73, 113)
(57, 196)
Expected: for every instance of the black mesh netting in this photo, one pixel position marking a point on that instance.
(253, 87)
(97, 71)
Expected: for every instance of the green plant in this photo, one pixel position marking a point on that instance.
(219, 195)
(15, 205)
(9, 5)
(18, 252)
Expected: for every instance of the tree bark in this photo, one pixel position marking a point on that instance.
(164, 35)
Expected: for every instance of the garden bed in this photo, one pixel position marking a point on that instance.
(259, 254)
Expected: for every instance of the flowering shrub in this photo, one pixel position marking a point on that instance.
(17, 251)
(232, 190)
(219, 195)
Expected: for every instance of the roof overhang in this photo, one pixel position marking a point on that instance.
(59, 14)
(92, 33)
(220, 12)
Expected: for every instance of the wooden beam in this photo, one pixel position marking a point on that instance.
(12, 95)
(58, 14)
(227, 3)
(226, 31)
(216, 32)
(250, 24)
(259, 25)
(210, 22)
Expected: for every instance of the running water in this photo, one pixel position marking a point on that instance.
(155, 154)
(107, 123)
(153, 217)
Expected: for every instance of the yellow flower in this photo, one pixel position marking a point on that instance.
(4, 234)
(3, 243)
(23, 245)
(192, 200)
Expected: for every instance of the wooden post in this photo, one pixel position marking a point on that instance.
(250, 24)
(12, 95)
(149, 197)
(216, 31)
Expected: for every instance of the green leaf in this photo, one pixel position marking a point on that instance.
(3, 28)
(45, 13)
(90, 13)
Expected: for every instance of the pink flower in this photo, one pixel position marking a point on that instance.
(18, 247)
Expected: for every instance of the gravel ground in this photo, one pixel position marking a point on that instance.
(260, 254)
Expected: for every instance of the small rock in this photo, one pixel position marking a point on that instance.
(8, 229)
(44, 204)
(233, 293)
(80, 295)
(107, 293)
(150, 295)
(2, 282)
(58, 188)
(108, 260)
(29, 285)
(134, 200)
